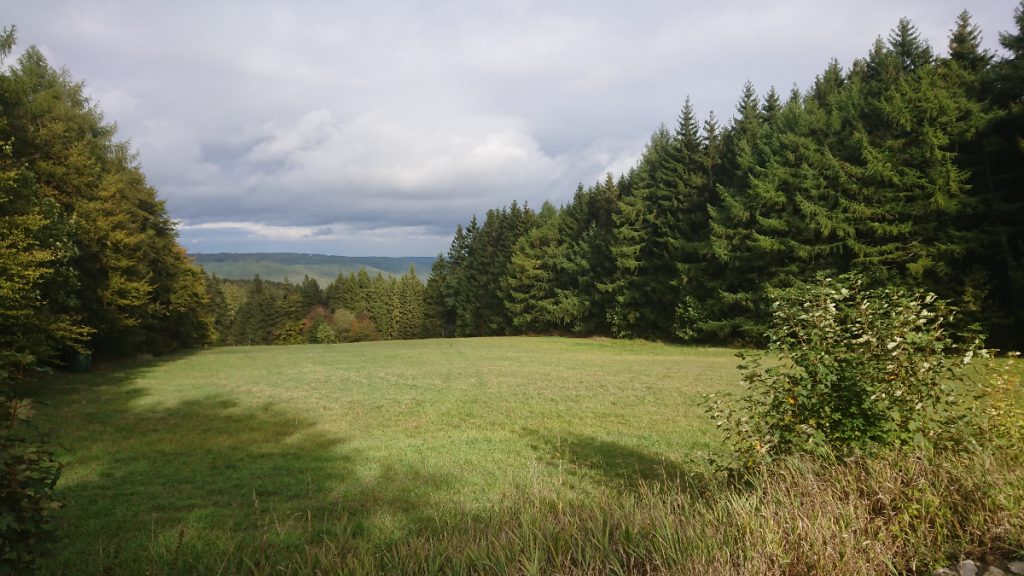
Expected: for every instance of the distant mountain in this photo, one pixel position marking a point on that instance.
(291, 267)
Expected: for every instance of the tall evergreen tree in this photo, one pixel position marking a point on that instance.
(734, 311)
(648, 240)
(531, 284)
(409, 322)
(481, 307)
(699, 158)
(995, 162)
(906, 120)
(255, 320)
(218, 309)
(310, 293)
(965, 45)
(438, 315)
(587, 235)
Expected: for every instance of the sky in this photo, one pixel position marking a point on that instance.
(374, 128)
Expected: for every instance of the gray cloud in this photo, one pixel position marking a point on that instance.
(345, 128)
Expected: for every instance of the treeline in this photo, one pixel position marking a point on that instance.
(353, 308)
(89, 260)
(907, 167)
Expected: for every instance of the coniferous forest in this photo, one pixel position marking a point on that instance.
(906, 165)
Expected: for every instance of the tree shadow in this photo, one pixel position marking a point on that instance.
(188, 487)
(621, 466)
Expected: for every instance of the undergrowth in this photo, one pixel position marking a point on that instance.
(900, 513)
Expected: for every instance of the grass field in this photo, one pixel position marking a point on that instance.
(186, 463)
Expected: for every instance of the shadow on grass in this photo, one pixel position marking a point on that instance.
(622, 466)
(191, 487)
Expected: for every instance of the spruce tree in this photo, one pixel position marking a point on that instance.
(906, 120)
(530, 285)
(733, 312)
(410, 291)
(997, 181)
(647, 242)
(438, 315)
(254, 321)
(310, 293)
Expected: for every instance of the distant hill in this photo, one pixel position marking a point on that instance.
(291, 267)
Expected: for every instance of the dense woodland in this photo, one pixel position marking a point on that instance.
(353, 308)
(907, 166)
(89, 259)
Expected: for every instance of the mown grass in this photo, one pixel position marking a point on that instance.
(499, 455)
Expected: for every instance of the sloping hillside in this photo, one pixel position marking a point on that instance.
(292, 267)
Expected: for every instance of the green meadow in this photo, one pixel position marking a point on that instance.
(479, 456)
(186, 463)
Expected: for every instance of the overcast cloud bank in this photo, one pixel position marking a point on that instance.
(345, 128)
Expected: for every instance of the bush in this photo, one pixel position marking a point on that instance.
(850, 369)
(30, 473)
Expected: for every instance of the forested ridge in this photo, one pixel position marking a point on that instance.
(906, 166)
(292, 267)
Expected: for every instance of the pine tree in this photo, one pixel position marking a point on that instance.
(409, 323)
(459, 297)
(381, 302)
(310, 293)
(218, 309)
(648, 241)
(359, 295)
(906, 45)
(254, 322)
(965, 45)
(905, 122)
(733, 312)
(995, 159)
(698, 163)
(586, 236)
(438, 315)
(532, 293)
(480, 310)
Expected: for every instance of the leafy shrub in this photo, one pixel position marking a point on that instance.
(30, 473)
(362, 329)
(849, 369)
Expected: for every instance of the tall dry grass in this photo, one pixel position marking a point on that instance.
(903, 513)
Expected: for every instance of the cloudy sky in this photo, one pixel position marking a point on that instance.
(373, 128)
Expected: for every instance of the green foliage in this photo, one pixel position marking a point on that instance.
(852, 369)
(904, 167)
(535, 299)
(258, 312)
(89, 256)
(27, 499)
(408, 306)
(310, 293)
(438, 316)
(322, 332)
